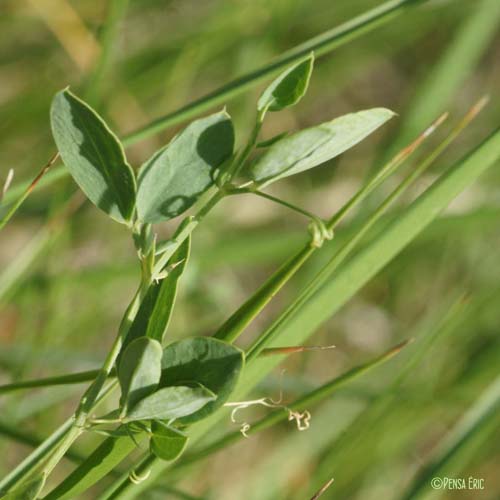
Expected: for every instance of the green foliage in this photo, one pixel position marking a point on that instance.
(316, 145)
(177, 175)
(139, 370)
(164, 391)
(93, 155)
(167, 443)
(482, 412)
(289, 88)
(156, 308)
(28, 490)
(97, 465)
(170, 403)
(211, 363)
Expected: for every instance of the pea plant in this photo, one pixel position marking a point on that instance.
(165, 387)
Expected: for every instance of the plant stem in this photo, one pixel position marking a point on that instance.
(248, 311)
(91, 395)
(279, 201)
(185, 230)
(339, 257)
(241, 159)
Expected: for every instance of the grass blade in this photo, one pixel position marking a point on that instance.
(312, 398)
(339, 257)
(321, 45)
(27, 191)
(455, 66)
(36, 457)
(98, 464)
(295, 325)
(73, 378)
(485, 408)
(248, 311)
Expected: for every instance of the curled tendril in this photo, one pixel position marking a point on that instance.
(136, 478)
(319, 232)
(302, 419)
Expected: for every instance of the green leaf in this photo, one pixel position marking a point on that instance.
(155, 311)
(167, 443)
(93, 155)
(139, 370)
(313, 146)
(325, 295)
(98, 465)
(170, 403)
(206, 361)
(177, 175)
(29, 490)
(269, 142)
(288, 88)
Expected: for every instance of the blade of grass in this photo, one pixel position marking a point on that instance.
(354, 439)
(456, 64)
(295, 326)
(116, 12)
(338, 258)
(244, 315)
(323, 297)
(321, 45)
(319, 302)
(73, 378)
(34, 460)
(15, 206)
(322, 489)
(312, 398)
(474, 420)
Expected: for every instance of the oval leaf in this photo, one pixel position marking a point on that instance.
(93, 155)
(170, 403)
(288, 88)
(177, 175)
(313, 146)
(139, 370)
(167, 443)
(206, 361)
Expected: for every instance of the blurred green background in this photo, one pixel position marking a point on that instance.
(66, 277)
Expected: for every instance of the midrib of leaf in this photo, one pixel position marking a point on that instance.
(109, 177)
